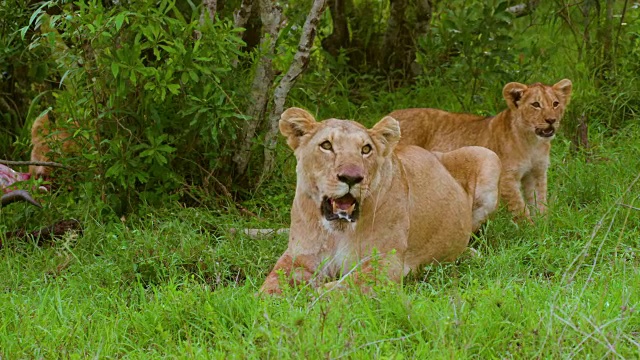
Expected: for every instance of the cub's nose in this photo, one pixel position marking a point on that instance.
(550, 121)
(351, 175)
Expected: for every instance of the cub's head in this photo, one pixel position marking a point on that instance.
(538, 108)
(339, 161)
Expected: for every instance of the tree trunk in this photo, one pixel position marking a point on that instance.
(240, 18)
(271, 16)
(210, 7)
(395, 36)
(299, 64)
(606, 39)
(339, 38)
(253, 26)
(241, 15)
(399, 45)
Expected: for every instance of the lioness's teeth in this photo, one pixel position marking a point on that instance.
(335, 207)
(351, 208)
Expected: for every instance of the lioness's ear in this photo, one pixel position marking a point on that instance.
(563, 90)
(386, 134)
(512, 94)
(296, 123)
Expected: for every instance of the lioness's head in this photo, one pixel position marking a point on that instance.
(538, 107)
(338, 160)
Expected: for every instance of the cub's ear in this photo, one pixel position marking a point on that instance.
(563, 90)
(296, 123)
(386, 134)
(512, 93)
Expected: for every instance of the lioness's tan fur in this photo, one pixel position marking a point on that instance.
(412, 209)
(42, 136)
(512, 134)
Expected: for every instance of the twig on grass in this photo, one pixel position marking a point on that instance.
(628, 206)
(259, 233)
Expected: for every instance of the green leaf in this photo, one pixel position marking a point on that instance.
(147, 153)
(166, 148)
(115, 69)
(160, 159)
(23, 31)
(174, 88)
(184, 77)
(168, 49)
(119, 20)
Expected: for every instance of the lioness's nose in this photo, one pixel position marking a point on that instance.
(550, 121)
(351, 175)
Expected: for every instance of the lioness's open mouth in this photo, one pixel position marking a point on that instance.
(546, 132)
(342, 208)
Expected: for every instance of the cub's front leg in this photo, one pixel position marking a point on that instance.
(535, 188)
(296, 269)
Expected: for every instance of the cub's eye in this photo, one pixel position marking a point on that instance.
(555, 104)
(536, 105)
(366, 149)
(326, 145)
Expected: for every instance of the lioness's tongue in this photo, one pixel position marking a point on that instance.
(345, 203)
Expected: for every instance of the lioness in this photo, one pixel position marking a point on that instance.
(357, 193)
(43, 134)
(520, 135)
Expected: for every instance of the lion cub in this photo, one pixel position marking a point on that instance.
(357, 194)
(520, 135)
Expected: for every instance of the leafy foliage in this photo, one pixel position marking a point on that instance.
(153, 89)
(472, 47)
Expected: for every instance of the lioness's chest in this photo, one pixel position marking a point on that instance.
(344, 250)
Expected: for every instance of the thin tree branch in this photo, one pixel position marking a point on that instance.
(299, 64)
(523, 9)
(36, 163)
(624, 12)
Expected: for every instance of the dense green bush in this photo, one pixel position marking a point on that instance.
(152, 92)
(22, 75)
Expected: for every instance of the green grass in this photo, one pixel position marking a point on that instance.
(174, 282)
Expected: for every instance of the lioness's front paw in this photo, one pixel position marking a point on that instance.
(270, 287)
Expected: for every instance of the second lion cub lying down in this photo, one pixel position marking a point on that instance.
(358, 193)
(520, 135)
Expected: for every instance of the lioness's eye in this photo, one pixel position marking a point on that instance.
(555, 104)
(366, 149)
(326, 145)
(536, 105)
